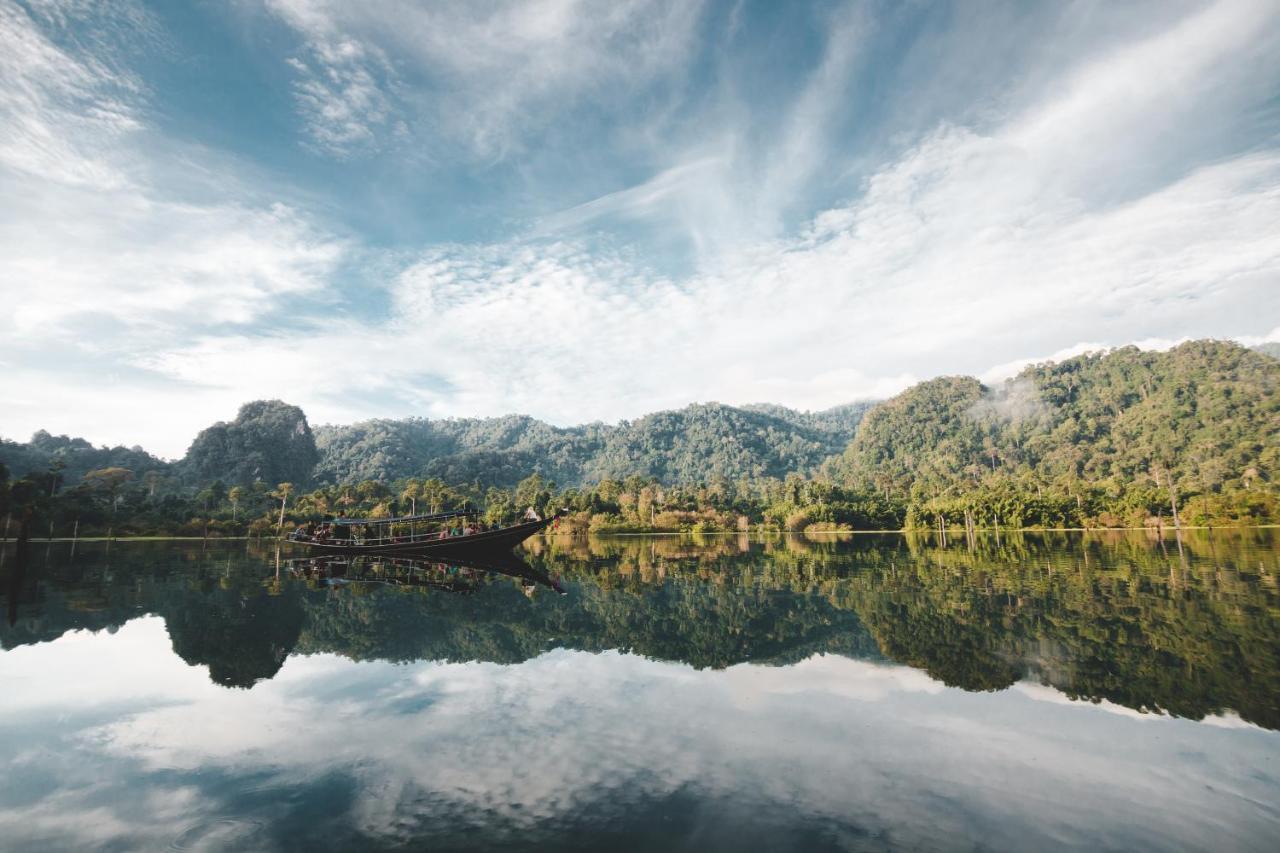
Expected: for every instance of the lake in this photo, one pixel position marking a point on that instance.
(866, 692)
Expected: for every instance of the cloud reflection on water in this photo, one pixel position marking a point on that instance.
(139, 749)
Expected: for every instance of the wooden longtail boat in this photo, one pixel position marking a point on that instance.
(405, 535)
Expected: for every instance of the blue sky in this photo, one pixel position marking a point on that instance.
(588, 211)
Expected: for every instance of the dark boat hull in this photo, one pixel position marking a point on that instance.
(489, 542)
(498, 562)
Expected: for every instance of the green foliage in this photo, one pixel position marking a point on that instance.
(1129, 618)
(1109, 438)
(75, 456)
(269, 440)
(695, 444)
(1113, 439)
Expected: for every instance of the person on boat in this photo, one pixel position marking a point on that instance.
(531, 514)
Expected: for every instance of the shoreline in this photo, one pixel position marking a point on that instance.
(752, 533)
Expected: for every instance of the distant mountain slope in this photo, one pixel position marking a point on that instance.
(75, 455)
(1208, 411)
(272, 441)
(838, 420)
(268, 440)
(693, 444)
(464, 448)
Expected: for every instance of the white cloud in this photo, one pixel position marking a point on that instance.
(52, 104)
(153, 264)
(571, 736)
(103, 263)
(1204, 66)
(490, 73)
(1073, 218)
(343, 83)
(904, 283)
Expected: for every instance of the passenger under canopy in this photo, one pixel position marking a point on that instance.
(435, 516)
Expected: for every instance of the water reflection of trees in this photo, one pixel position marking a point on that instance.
(1189, 628)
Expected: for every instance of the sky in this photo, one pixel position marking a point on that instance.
(589, 211)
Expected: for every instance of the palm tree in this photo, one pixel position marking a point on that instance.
(435, 492)
(111, 481)
(412, 491)
(282, 492)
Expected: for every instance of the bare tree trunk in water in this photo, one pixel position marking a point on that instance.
(24, 532)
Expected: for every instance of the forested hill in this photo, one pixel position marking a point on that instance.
(271, 442)
(1208, 412)
(72, 458)
(1107, 425)
(699, 443)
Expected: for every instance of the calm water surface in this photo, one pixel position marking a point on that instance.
(664, 693)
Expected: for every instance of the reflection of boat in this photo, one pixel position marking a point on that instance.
(453, 574)
(417, 534)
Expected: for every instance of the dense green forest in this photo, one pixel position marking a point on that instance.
(1100, 616)
(1190, 436)
(1109, 438)
(692, 445)
(71, 458)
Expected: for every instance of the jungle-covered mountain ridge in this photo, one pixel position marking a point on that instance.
(271, 441)
(1205, 413)
(699, 443)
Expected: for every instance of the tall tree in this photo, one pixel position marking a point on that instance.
(282, 492)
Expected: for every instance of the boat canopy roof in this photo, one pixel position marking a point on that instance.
(435, 516)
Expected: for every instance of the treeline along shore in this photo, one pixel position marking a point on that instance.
(1192, 634)
(1125, 438)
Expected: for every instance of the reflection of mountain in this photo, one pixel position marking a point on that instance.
(1145, 632)
(242, 639)
(1118, 618)
(684, 620)
(242, 622)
